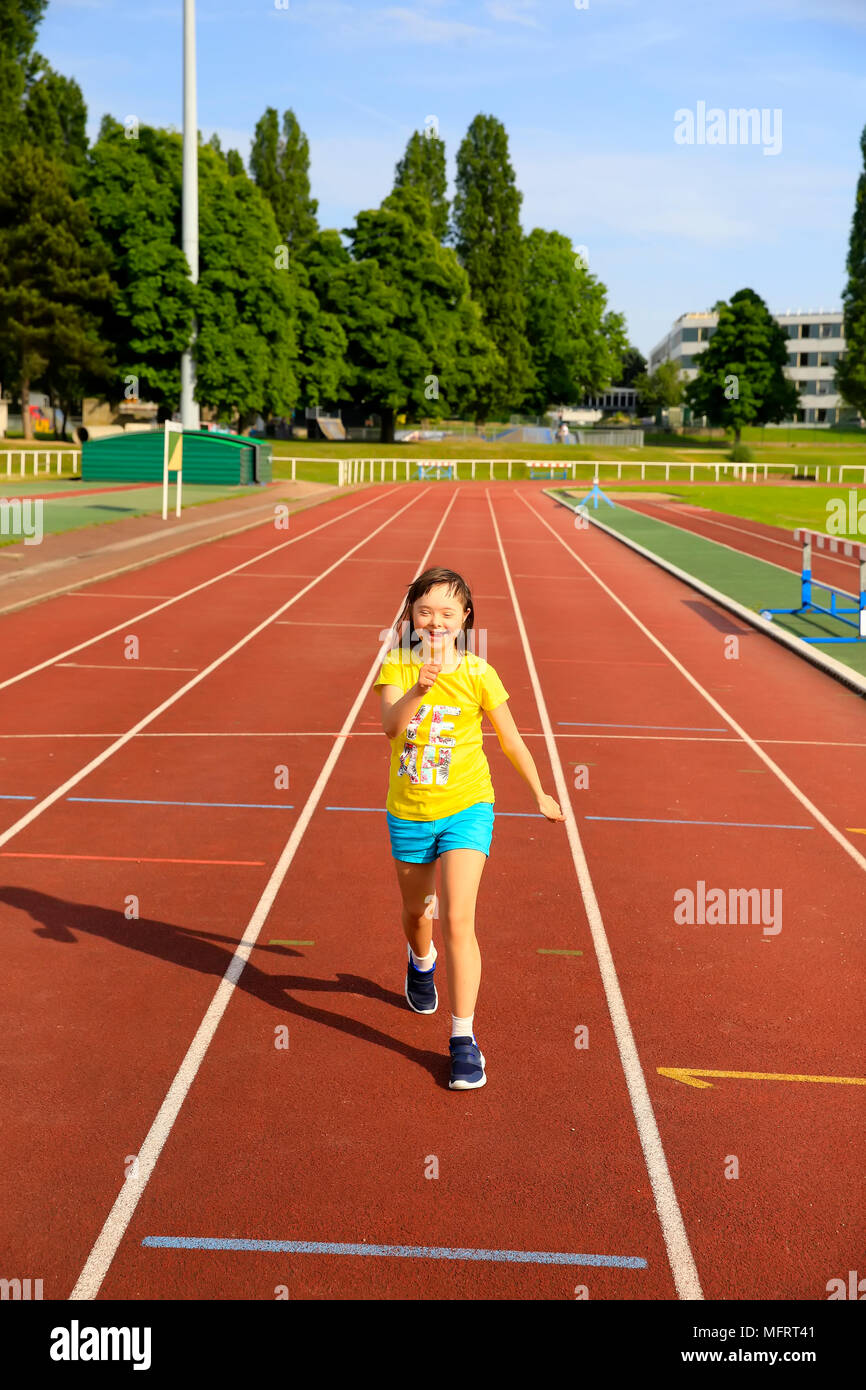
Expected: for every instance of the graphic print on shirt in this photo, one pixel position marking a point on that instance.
(422, 774)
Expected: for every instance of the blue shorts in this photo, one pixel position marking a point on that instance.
(422, 841)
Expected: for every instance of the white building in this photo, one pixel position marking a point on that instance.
(811, 364)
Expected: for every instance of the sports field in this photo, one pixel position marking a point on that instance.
(207, 968)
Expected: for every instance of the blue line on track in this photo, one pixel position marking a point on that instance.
(680, 728)
(531, 815)
(660, 820)
(135, 801)
(17, 798)
(411, 1252)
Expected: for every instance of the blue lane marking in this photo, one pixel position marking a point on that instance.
(532, 815)
(135, 801)
(7, 797)
(410, 1252)
(658, 820)
(681, 728)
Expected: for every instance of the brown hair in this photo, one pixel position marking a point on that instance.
(423, 584)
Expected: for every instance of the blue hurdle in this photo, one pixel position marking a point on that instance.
(808, 585)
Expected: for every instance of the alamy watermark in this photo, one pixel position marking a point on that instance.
(714, 907)
(410, 642)
(846, 516)
(737, 126)
(22, 517)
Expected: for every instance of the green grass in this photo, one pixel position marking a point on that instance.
(779, 505)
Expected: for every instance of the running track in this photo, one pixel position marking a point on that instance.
(145, 1045)
(765, 542)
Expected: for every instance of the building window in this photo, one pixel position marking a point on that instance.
(806, 330)
(822, 416)
(793, 330)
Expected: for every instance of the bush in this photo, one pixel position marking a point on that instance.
(740, 453)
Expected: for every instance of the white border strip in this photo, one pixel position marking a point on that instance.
(682, 1262)
(802, 649)
(105, 1247)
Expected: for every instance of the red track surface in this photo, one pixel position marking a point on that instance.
(329, 1140)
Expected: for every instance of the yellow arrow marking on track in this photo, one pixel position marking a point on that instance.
(689, 1077)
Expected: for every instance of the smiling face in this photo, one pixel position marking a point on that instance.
(438, 617)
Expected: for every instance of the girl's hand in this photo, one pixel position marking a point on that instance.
(427, 675)
(549, 808)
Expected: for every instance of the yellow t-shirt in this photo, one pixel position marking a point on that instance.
(438, 765)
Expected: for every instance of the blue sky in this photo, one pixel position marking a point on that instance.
(587, 95)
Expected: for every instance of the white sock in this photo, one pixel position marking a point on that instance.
(462, 1027)
(424, 962)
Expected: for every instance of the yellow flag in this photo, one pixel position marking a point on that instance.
(175, 451)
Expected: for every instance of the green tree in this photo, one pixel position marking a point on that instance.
(133, 188)
(245, 348)
(633, 365)
(54, 115)
(323, 372)
(490, 246)
(416, 340)
(280, 165)
(54, 288)
(19, 21)
(851, 369)
(576, 347)
(423, 167)
(741, 375)
(659, 390)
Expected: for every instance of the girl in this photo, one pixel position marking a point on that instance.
(440, 796)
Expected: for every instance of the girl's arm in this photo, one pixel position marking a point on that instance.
(397, 708)
(520, 758)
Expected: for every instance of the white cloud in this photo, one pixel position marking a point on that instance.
(514, 11)
(705, 201)
(417, 27)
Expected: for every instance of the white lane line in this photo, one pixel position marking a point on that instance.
(119, 743)
(197, 588)
(729, 719)
(526, 733)
(680, 1257)
(117, 666)
(85, 593)
(105, 1247)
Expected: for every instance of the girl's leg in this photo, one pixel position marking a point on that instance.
(417, 886)
(461, 871)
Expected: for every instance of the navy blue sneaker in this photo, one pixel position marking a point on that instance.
(467, 1065)
(421, 988)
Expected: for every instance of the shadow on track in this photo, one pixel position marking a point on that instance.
(209, 953)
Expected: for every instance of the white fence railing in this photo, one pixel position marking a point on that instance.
(36, 463)
(629, 439)
(354, 471)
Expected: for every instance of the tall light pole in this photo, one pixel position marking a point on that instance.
(189, 412)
